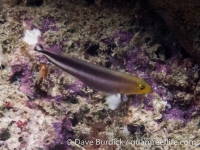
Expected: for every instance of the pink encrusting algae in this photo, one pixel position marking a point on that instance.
(46, 108)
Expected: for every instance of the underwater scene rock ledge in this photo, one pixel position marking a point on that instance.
(45, 108)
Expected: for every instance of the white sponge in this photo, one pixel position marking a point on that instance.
(113, 101)
(31, 36)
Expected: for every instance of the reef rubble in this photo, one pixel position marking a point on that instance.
(44, 108)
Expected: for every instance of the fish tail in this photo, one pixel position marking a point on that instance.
(38, 48)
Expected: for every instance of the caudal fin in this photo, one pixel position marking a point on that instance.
(38, 48)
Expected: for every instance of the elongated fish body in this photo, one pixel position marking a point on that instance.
(97, 77)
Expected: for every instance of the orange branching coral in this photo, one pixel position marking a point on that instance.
(43, 70)
(42, 74)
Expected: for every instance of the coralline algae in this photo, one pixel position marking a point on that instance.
(62, 111)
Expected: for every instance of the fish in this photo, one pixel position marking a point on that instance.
(97, 77)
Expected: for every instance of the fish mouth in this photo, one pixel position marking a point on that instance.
(149, 89)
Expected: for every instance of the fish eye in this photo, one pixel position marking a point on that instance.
(141, 86)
